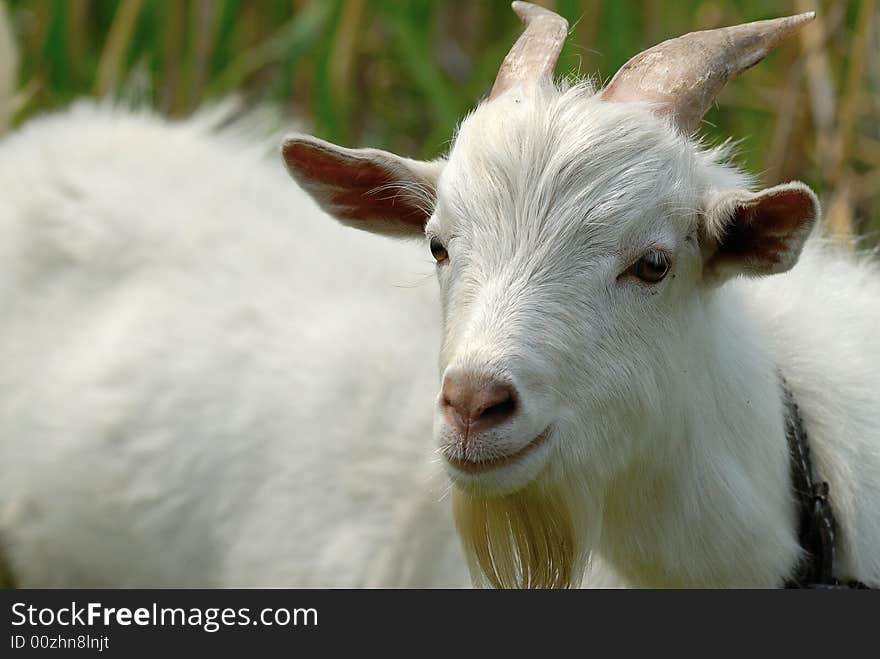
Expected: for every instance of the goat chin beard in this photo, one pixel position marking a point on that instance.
(531, 538)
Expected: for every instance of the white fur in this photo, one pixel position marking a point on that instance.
(205, 382)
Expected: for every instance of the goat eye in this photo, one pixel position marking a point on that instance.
(651, 268)
(438, 251)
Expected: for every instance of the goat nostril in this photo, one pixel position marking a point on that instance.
(499, 411)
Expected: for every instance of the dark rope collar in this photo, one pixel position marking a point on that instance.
(816, 524)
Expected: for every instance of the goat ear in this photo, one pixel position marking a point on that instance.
(758, 233)
(367, 189)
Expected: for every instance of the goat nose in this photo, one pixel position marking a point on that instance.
(476, 404)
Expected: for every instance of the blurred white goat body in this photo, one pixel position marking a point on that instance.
(206, 383)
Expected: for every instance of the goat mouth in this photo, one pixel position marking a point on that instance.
(482, 466)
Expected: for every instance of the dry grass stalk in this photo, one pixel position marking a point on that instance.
(112, 61)
(8, 69)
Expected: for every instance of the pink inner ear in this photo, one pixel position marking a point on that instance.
(359, 188)
(761, 227)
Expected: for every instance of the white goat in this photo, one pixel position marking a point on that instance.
(206, 383)
(611, 383)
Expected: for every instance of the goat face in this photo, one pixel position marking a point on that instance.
(567, 234)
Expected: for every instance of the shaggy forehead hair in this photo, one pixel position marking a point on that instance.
(556, 162)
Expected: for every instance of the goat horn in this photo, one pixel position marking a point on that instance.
(534, 54)
(683, 76)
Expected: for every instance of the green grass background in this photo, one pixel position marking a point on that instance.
(400, 74)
